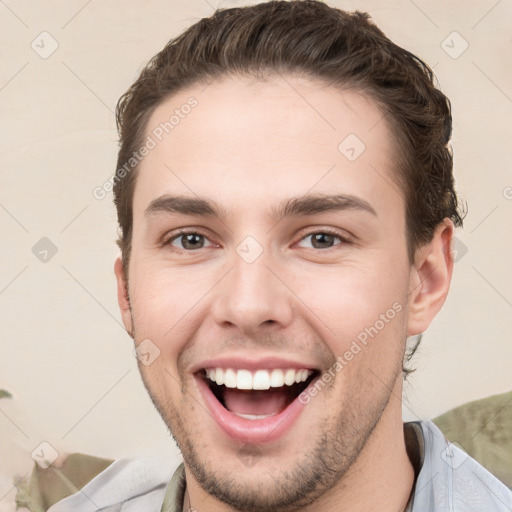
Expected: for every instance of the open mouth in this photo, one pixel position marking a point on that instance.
(255, 395)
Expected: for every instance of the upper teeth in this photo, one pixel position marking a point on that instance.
(260, 379)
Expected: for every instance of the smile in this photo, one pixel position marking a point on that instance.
(254, 405)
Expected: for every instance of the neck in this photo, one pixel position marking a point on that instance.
(382, 477)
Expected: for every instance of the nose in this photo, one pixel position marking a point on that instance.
(253, 297)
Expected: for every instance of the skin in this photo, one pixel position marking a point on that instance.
(249, 145)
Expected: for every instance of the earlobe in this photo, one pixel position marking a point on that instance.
(430, 279)
(123, 298)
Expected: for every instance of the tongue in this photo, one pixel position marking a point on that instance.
(256, 402)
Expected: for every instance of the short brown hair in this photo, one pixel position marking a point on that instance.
(310, 39)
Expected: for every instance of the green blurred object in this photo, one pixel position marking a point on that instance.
(5, 394)
(46, 487)
(483, 429)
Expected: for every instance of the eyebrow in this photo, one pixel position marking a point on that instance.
(311, 204)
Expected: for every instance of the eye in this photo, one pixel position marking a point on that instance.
(323, 239)
(188, 241)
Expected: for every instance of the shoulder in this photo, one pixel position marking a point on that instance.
(451, 480)
(133, 484)
(483, 428)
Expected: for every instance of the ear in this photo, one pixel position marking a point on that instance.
(430, 279)
(123, 298)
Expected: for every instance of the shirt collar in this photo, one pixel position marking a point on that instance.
(175, 493)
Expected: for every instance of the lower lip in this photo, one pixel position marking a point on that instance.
(264, 430)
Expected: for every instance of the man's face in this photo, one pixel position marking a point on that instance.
(263, 288)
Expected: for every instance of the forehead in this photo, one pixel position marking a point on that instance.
(246, 141)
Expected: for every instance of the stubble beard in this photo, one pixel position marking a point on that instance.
(314, 472)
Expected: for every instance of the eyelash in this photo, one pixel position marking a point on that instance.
(175, 236)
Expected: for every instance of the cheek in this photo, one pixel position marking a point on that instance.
(348, 300)
(164, 299)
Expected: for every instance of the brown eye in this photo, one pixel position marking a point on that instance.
(189, 241)
(322, 240)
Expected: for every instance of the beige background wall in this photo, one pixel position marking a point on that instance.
(64, 354)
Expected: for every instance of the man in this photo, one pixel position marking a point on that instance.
(285, 197)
